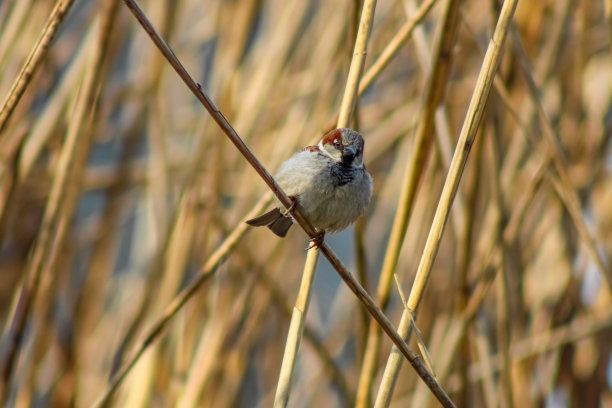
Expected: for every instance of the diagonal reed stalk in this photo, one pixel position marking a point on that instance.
(362, 295)
(35, 59)
(466, 139)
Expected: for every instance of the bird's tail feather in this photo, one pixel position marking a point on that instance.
(275, 220)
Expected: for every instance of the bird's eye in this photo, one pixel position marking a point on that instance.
(336, 142)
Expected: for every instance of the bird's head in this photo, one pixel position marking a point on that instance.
(344, 146)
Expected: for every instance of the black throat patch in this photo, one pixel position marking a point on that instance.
(341, 173)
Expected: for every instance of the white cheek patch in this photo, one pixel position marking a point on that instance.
(324, 151)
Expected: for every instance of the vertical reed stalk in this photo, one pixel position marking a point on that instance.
(349, 100)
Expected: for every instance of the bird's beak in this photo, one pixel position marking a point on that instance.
(348, 154)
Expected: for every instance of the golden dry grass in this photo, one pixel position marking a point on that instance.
(122, 203)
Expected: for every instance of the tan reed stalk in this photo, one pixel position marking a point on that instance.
(349, 100)
(413, 172)
(55, 273)
(157, 186)
(351, 282)
(255, 309)
(176, 256)
(466, 139)
(37, 55)
(62, 199)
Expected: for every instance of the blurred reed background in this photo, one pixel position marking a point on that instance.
(116, 188)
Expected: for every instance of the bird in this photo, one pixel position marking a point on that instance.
(328, 182)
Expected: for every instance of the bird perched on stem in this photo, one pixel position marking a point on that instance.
(328, 182)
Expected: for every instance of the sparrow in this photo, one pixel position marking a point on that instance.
(328, 182)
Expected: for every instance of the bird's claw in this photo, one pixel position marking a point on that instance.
(317, 240)
(290, 209)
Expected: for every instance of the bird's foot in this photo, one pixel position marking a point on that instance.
(317, 240)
